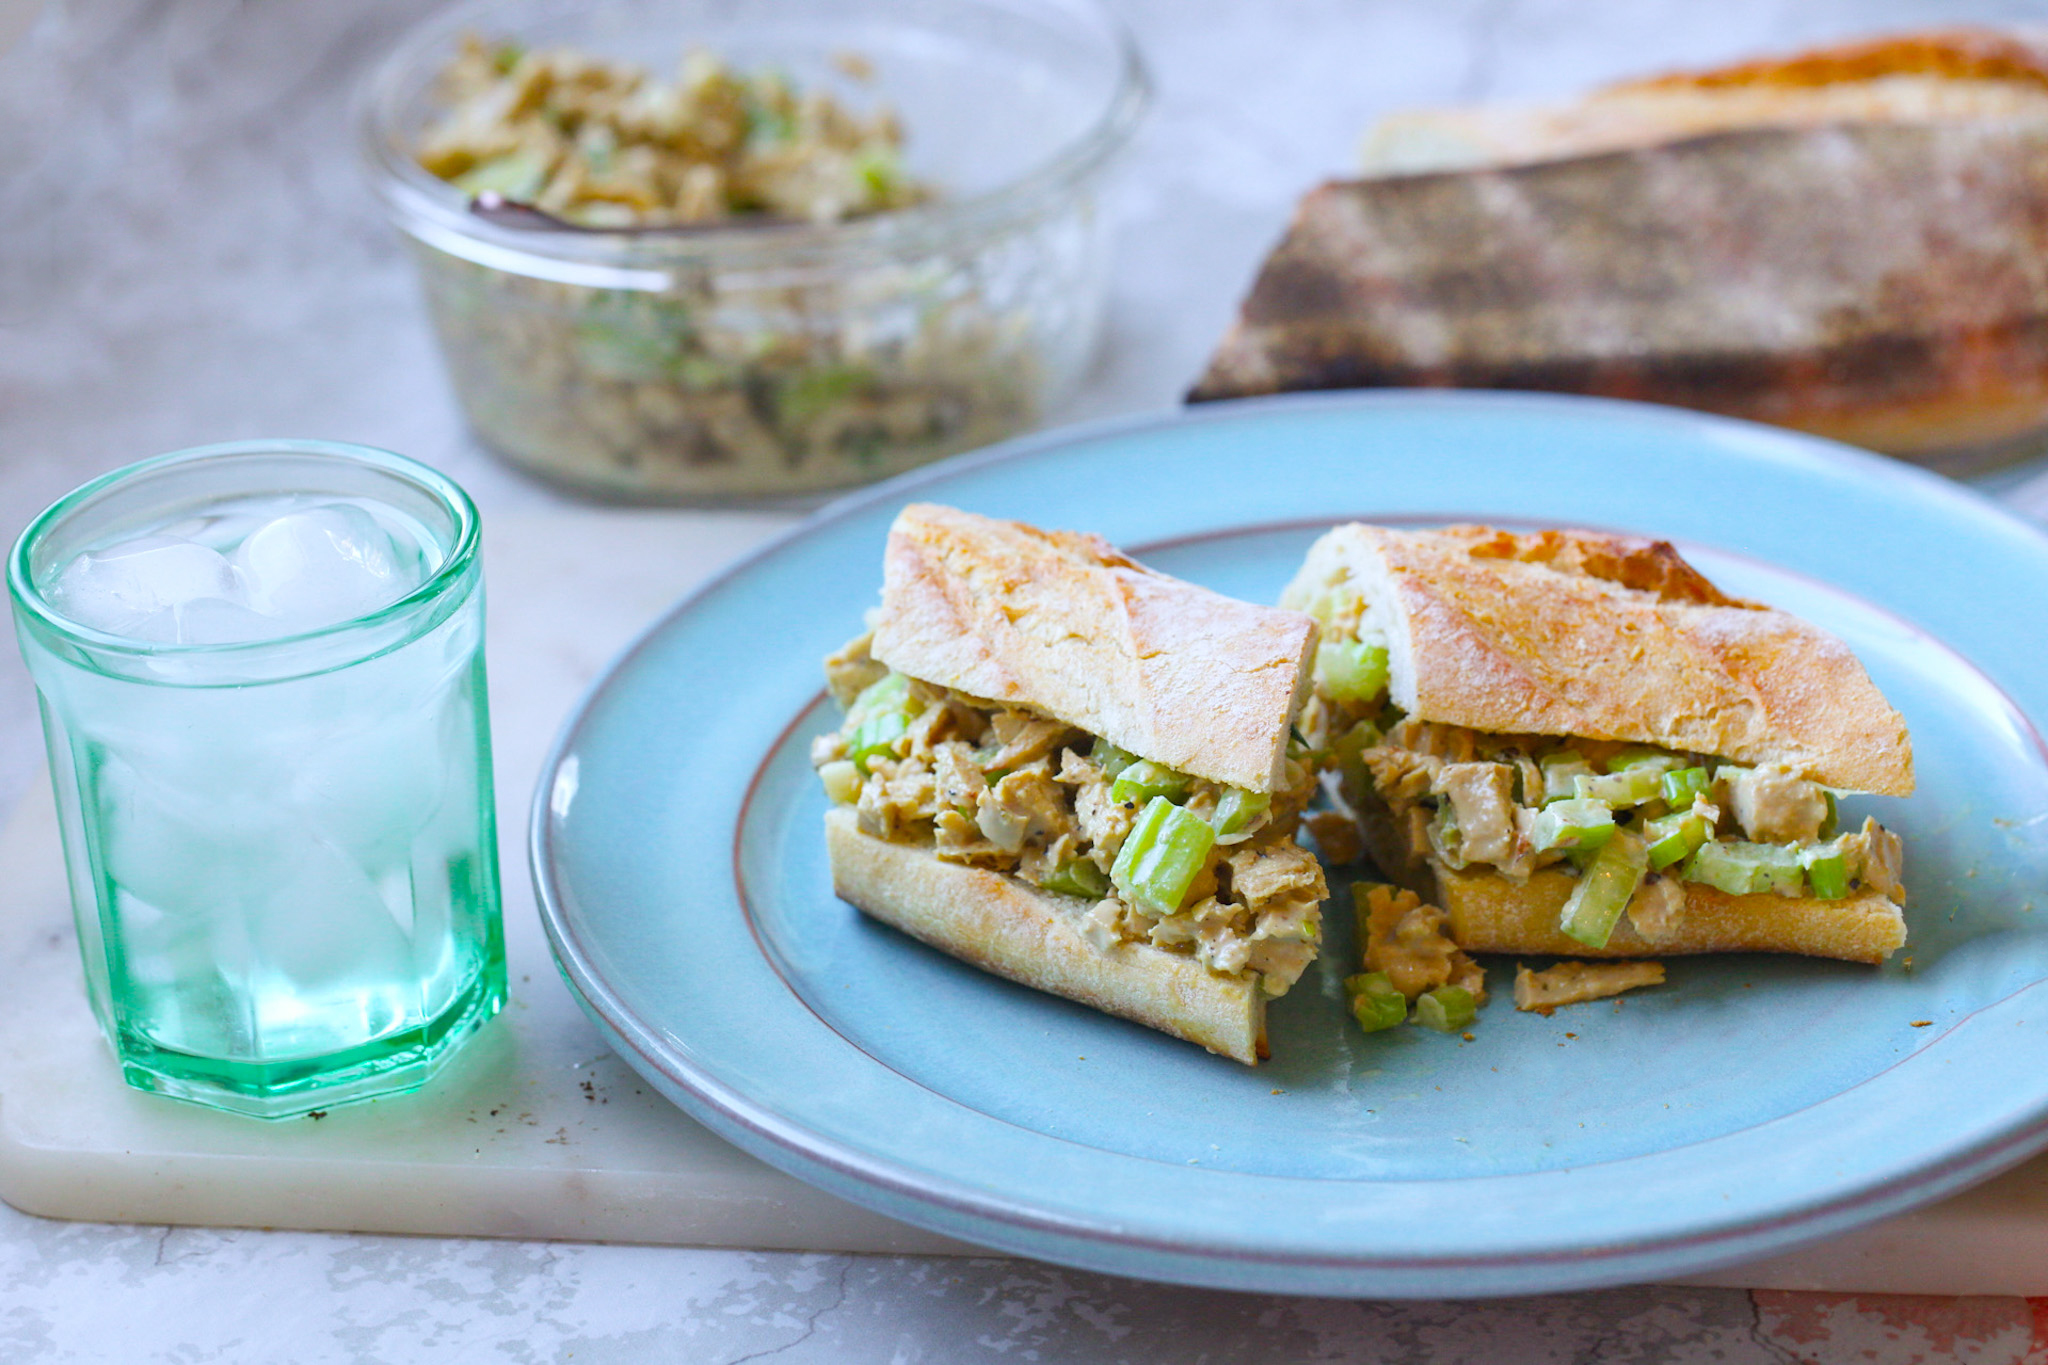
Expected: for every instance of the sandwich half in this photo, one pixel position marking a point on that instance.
(1072, 771)
(1575, 744)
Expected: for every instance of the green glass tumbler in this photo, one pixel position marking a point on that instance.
(280, 839)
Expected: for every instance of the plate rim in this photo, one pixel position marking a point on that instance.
(907, 1193)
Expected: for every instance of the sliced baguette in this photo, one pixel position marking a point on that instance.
(1070, 626)
(1007, 927)
(1490, 914)
(1613, 638)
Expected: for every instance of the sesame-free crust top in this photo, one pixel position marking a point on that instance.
(1595, 636)
(1068, 625)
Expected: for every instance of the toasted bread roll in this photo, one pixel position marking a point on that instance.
(1490, 914)
(1005, 926)
(1613, 638)
(1068, 625)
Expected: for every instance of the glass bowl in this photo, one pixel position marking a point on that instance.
(775, 362)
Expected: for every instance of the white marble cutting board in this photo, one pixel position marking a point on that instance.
(536, 1131)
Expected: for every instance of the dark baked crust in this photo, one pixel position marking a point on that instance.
(1874, 282)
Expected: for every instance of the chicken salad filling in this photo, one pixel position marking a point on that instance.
(1630, 821)
(1149, 855)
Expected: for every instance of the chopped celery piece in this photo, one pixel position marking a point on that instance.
(1783, 870)
(1446, 837)
(1828, 874)
(1237, 808)
(890, 692)
(1161, 857)
(1353, 778)
(1355, 741)
(1629, 787)
(1111, 759)
(1745, 869)
(1575, 823)
(1559, 770)
(1604, 890)
(1656, 760)
(1445, 1009)
(1685, 785)
(1831, 824)
(1375, 1003)
(876, 738)
(879, 717)
(842, 781)
(1361, 907)
(1351, 670)
(1078, 877)
(1674, 838)
(1145, 779)
(515, 175)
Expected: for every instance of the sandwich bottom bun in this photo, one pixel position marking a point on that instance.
(1487, 913)
(1008, 927)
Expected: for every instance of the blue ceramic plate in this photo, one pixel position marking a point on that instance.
(1749, 1105)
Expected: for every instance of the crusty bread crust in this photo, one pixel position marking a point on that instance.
(1869, 279)
(1490, 914)
(1545, 635)
(1004, 926)
(2019, 56)
(1939, 75)
(1070, 626)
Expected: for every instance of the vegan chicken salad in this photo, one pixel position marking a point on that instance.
(1621, 837)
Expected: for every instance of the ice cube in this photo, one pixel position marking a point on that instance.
(216, 621)
(320, 567)
(122, 588)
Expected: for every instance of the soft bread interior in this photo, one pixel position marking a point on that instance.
(1004, 926)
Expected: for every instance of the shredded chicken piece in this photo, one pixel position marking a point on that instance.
(1401, 776)
(1103, 820)
(1482, 794)
(1035, 738)
(896, 795)
(1446, 743)
(850, 669)
(1405, 939)
(1773, 804)
(1276, 873)
(1877, 858)
(959, 777)
(1570, 983)
(1657, 910)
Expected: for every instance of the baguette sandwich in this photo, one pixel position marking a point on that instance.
(1575, 744)
(1074, 772)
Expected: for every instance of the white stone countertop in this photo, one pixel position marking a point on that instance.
(188, 255)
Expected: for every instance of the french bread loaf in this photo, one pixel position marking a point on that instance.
(1847, 242)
